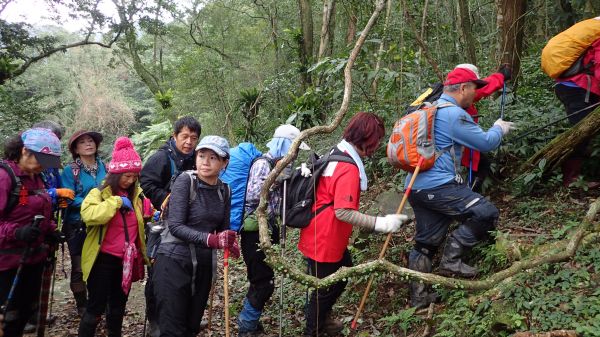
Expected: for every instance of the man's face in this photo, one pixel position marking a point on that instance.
(467, 92)
(186, 140)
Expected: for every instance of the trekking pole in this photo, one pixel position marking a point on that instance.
(363, 300)
(61, 218)
(502, 100)
(210, 308)
(226, 289)
(283, 238)
(36, 223)
(470, 166)
(46, 294)
(552, 123)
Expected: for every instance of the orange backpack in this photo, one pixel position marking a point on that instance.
(564, 49)
(412, 138)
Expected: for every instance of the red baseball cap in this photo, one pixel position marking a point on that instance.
(462, 75)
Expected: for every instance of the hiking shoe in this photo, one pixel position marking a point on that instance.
(452, 264)
(29, 328)
(332, 326)
(260, 331)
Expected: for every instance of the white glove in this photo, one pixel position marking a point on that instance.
(505, 126)
(390, 223)
(305, 171)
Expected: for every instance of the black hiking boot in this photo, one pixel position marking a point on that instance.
(451, 263)
(420, 296)
(332, 326)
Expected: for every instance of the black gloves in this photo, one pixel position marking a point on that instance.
(28, 233)
(55, 237)
(505, 71)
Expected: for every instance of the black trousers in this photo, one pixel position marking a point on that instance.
(259, 274)
(105, 292)
(25, 298)
(573, 98)
(151, 311)
(322, 300)
(179, 310)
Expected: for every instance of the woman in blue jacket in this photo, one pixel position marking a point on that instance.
(86, 172)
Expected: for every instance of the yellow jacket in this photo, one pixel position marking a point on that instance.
(97, 209)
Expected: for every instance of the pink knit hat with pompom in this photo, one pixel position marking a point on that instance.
(124, 158)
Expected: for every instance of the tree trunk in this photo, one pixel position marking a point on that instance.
(327, 29)
(510, 21)
(562, 146)
(381, 46)
(352, 21)
(464, 19)
(149, 79)
(306, 45)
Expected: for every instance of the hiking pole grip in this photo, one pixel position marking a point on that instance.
(226, 289)
(363, 300)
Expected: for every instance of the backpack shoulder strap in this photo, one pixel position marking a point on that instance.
(13, 195)
(336, 155)
(76, 171)
(193, 185)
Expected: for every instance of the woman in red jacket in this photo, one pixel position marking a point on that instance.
(324, 242)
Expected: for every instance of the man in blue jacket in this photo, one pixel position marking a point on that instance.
(439, 194)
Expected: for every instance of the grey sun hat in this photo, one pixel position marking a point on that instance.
(216, 143)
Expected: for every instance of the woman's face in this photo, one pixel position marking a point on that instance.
(85, 146)
(209, 164)
(28, 163)
(127, 179)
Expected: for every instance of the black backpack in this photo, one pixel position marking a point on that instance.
(430, 95)
(578, 67)
(13, 195)
(300, 190)
(16, 187)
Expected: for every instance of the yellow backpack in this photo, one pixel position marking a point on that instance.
(564, 49)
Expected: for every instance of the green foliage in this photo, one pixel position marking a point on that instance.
(547, 298)
(403, 320)
(149, 140)
(165, 99)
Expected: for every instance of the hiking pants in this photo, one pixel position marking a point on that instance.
(436, 208)
(259, 274)
(75, 234)
(105, 293)
(179, 310)
(25, 297)
(573, 98)
(322, 300)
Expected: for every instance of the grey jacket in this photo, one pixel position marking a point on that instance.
(192, 222)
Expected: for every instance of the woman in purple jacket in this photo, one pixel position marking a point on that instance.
(22, 197)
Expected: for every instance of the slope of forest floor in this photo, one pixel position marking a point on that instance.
(551, 297)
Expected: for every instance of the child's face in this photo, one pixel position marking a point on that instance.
(127, 179)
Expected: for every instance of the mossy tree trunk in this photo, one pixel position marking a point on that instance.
(562, 146)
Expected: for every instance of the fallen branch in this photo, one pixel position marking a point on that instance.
(550, 253)
(555, 333)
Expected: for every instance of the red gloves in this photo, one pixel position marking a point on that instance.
(234, 250)
(226, 239)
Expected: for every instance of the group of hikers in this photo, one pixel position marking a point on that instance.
(100, 209)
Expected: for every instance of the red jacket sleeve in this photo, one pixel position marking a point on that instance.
(495, 83)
